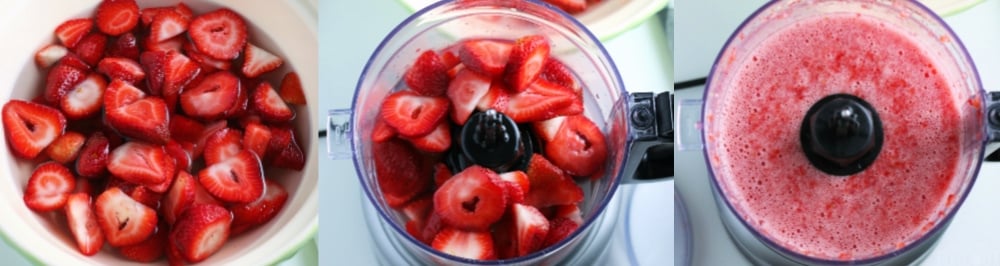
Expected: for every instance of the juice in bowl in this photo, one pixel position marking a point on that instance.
(842, 132)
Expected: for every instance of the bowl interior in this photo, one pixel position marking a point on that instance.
(280, 27)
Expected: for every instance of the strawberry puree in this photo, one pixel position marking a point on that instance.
(758, 161)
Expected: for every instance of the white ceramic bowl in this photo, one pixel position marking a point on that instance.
(285, 28)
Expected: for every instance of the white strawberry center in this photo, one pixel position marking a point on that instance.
(212, 238)
(88, 93)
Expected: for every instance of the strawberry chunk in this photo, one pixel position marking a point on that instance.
(131, 113)
(141, 163)
(31, 127)
(382, 131)
(548, 129)
(85, 99)
(253, 214)
(72, 31)
(181, 156)
(48, 187)
(91, 48)
(476, 245)
(66, 148)
(496, 98)
(531, 228)
(257, 61)
(166, 25)
(201, 231)
(519, 180)
(222, 145)
(559, 229)
(579, 147)
(179, 71)
(124, 220)
(284, 151)
(94, 156)
(257, 138)
(556, 72)
(63, 76)
(121, 68)
(220, 34)
(570, 6)
(180, 196)
(207, 63)
(441, 174)
(486, 57)
(148, 250)
(471, 200)
(212, 97)
(428, 76)
(125, 46)
(269, 104)
(238, 179)
(115, 17)
(413, 115)
(438, 140)
(291, 89)
(549, 185)
(49, 55)
(83, 224)
(527, 58)
(465, 92)
(186, 129)
(399, 176)
(540, 101)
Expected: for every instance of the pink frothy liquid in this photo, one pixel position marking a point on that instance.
(758, 160)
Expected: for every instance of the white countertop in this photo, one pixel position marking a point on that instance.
(701, 28)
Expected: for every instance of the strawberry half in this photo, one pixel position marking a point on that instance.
(542, 100)
(212, 97)
(570, 6)
(382, 131)
(257, 61)
(181, 155)
(63, 76)
(559, 229)
(438, 140)
(201, 231)
(141, 163)
(31, 127)
(283, 150)
(476, 245)
(166, 25)
(72, 31)
(471, 200)
(579, 147)
(527, 58)
(125, 46)
(269, 104)
(428, 76)
(257, 138)
(91, 48)
(115, 17)
(48, 187)
(85, 99)
(83, 224)
(550, 186)
(441, 174)
(486, 57)
(131, 113)
(148, 250)
(465, 92)
(531, 228)
(222, 145)
(238, 179)
(398, 173)
(548, 129)
(207, 63)
(66, 148)
(180, 196)
(94, 156)
(124, 220)
(520, 182)
(496, 98)
(413, 115)
(121, 68)
(256, 213)
(179, 71)
(49, 55)
(557, 72)
(220, 34)
(291, 89)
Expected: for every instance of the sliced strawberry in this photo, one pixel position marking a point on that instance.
(179, 71)
(487, 57)
(257, 138)
(570, 6)
(547, 129)
(201, 196)
(85, 99)
(125, 46)
(207, 63)
(382, 131)
(94, 156)
(496, 98)
(174, 256)
(531, 228)
(453, 71)
(48, 187)
(72, 31)
(222, 145)
(559, 229)
(476, 245)
(465, 92)
(115, 17)
(419, 208)
(66, 148)
(471, 200)
(157, 190)
(173, 44)
(155, 64)
(141, 163)
(438, 140)
(182, 157)
(123, 220)
(83, 224)
(284, 151)
(146, 15)
(220, 34)
(186, 129)
(85, 186)
(527, 58)
(258, 61)
(180, 196)
(540, 101)
(441, 174)
(212, 97)
(243, 101)
(413, 115)
(166, 25)
(137, 192)
(579, 147)
(291, 89)
(505, 237)
(428, 76)
(569, 211)
(397, 172)
(121, 68)
(238, 179)
(253, 214)
(91, 48)
(30, 127)
(431, 228)
(449, 59)
(184, 10)
(208, 131)
(550, 186)
(514, 192)
(62, 77)
(200, 231)
(145, 118)
(518, 178)
(49, 55)
(148, 250)
(557, 72)
(269, 104)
